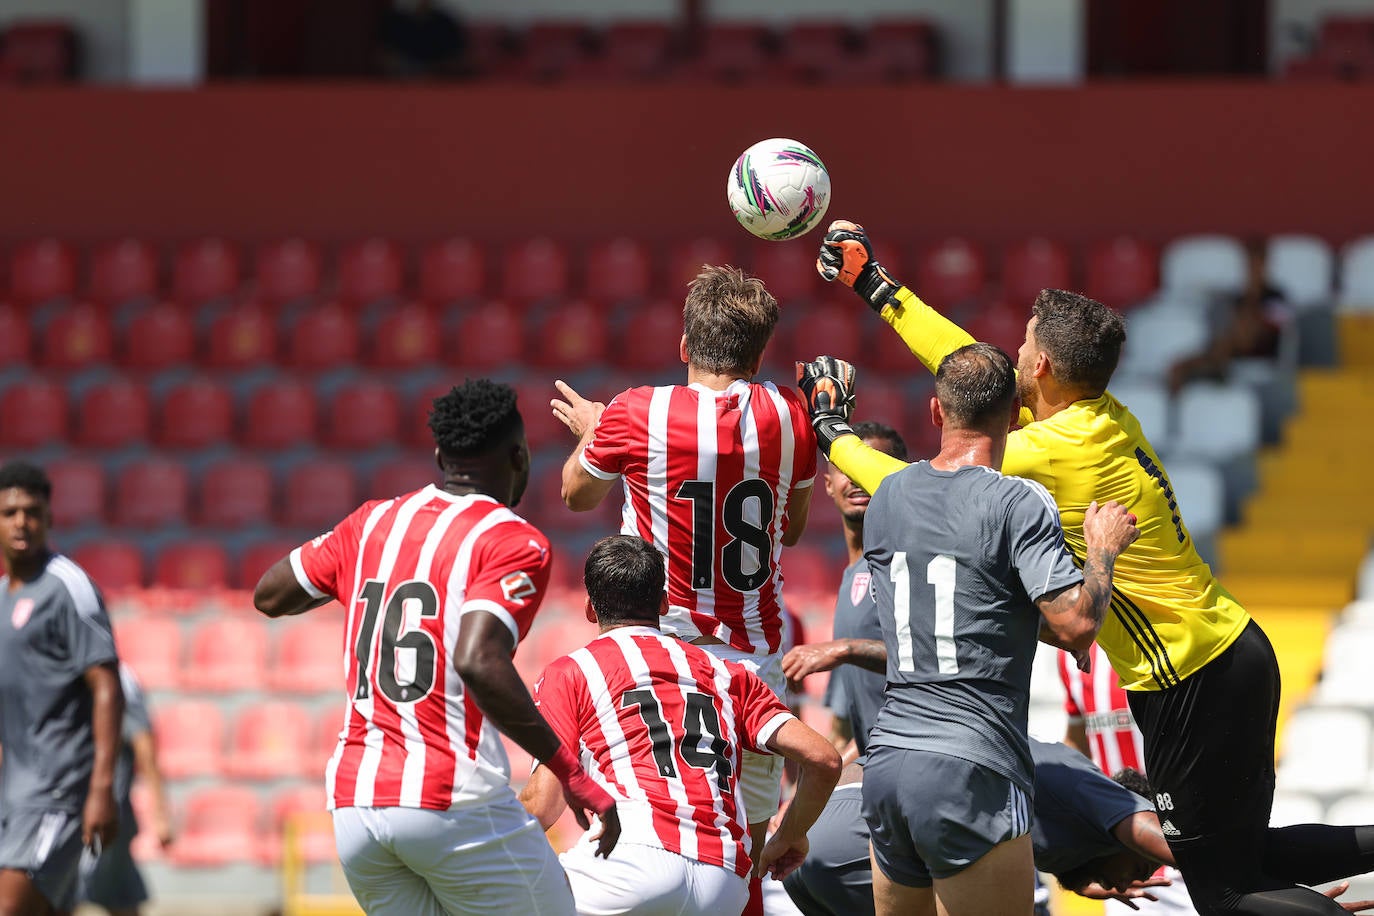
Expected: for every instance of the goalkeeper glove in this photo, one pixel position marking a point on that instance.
(827, 385)
(846, 255)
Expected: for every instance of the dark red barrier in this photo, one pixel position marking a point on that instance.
(418, 162)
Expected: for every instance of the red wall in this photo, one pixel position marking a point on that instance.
(261, 161)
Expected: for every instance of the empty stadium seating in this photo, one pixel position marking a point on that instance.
(307, 656)
(270, 741)
(225, 655)
(219, 825)
(191, 737)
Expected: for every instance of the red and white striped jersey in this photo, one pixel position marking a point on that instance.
(407, 570)
(708, 477)
(660, 724)
(1100, 702)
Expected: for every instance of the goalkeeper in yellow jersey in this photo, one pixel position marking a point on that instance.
(1202, 678)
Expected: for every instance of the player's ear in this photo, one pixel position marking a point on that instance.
(438, 458)
(937, 416)
(682, 349)
(1042, 365)
(588, 611)
(663, 605)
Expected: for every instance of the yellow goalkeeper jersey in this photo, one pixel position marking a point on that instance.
(1169, 615)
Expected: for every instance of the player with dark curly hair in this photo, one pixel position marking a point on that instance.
(440, 585)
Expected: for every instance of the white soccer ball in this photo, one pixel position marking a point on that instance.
(778, 189)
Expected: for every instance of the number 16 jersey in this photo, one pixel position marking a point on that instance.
(958, 559)
(407, 570)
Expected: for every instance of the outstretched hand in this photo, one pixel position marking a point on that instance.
(1350, 906)
(576, 412)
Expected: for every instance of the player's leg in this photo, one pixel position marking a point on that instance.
(999, 883)
(837, 877)
(483, 859)
(381, 882)
(893, 899)
(115, 882)
(19, 897)
(634, 879)
(40, 861)
(895, 800)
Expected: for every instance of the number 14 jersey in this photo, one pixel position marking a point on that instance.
(407, 570)
(660, 724)
(708, 479)
(957, 561)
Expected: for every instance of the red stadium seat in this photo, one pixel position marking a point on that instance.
(242, 338)
(890, 402)
(33, 412)
(402, 475)
(733, 54)
(638, 50)
(281, 414)
(152, 493)
(950, 273)
(534, 269)
(151, 646)
(122, 271)
(362, 415)
(831, 329)
(270, 741)
(258, 557)
(309, 657)
(42, 270)
(39, 51)
(541, 426)
(1034, 264)
(159, 337)
(305, 804)
(810, 574)
(113, 414)
(326, 734)
(650, 336)
(325, 337)
(406, 338)
(618, 269)
(1122, 272)
(78, 492)
(685, 260)
(190, 738)
(1348, 43)
(221, 826)
(901, 50)
(1002, 323)
(815, 51)
(452, 270)
(788, 269)
(489, 336)
(287, 270)
(77, 338)
(226, 654)
(548, 50)
(571, 337)
(236, 493)
(889, 354)
(205, 269)
(113, 565)
(16, 339)
(319, 494)
(370, 270)
(418, 421)
(196, 414)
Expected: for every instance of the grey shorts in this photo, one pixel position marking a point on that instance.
(836, 879)
(46, 845)
(115, 883)
(932, 815)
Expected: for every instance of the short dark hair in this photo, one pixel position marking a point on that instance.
(871, 429)
(728, 318)
(1082, 336)
(21, 475)
(1133, 779)
(624, 578)
(976, 384)
(474, 418)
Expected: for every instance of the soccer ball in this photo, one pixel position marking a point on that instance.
(778, 189)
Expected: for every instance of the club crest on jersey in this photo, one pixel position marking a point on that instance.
(859, 587)
(518, 586)
(23, 610)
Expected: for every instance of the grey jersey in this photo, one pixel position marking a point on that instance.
(958, 559)
(1076, 808)
(51, 631)
(856, 693)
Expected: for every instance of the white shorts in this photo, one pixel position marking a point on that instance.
(477, 860)
(649, 881)
(760, 775)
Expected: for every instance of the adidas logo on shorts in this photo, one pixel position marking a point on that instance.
(1169, 829)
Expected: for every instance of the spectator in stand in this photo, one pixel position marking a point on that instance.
(1254, 320)
(421, 38)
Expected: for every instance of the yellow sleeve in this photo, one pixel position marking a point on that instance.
(929, 335)
(866, 466)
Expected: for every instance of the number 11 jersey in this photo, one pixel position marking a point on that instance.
(957, 561)
(407, 570)
(708, 479)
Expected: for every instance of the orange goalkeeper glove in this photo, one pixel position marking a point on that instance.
(847, 256)
(827, 386)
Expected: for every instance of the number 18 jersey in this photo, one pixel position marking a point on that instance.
(708, 477)
(958, 559)
(660, 724)
(407, 570)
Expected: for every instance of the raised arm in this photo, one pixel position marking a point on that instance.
(582, 490)
(827, 387)
(805, 660)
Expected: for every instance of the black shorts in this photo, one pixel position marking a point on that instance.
(1209, 742)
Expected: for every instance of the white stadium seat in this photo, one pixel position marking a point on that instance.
(1357, 275)
(1149, 403)
(1302, 266)
(1201, 495)
(1294, 808)
(1325, 750)
(1158, 335)
(1203, 263)
(1354, 810)
(1217, 421)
